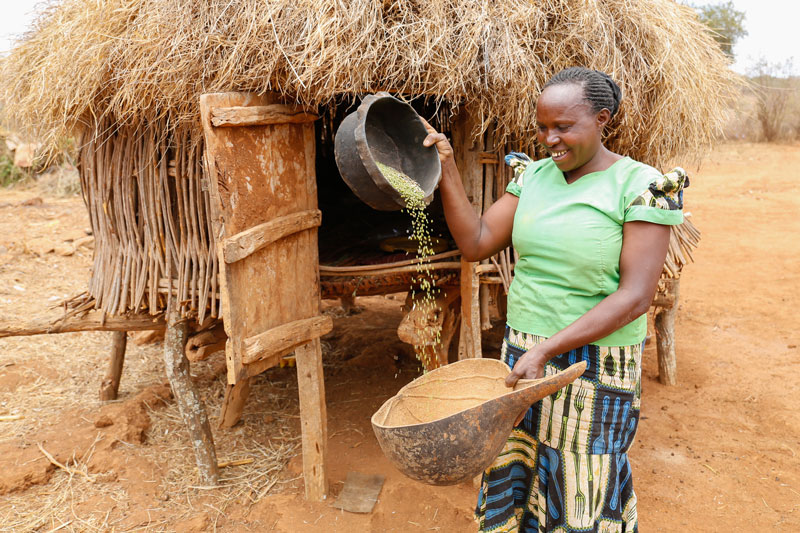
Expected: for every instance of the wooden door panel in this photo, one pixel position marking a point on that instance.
(263, 191)
(261, 168)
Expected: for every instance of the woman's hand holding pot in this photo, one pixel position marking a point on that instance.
(443, 146)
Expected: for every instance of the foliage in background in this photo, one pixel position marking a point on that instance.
(726, 22)
(9, 172)
(53, 167)
(775, 89)
(768, 108)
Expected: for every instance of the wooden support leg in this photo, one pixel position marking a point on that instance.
(469, 344)
(348, 303)
(313, 419)
(486, 322)
(501, 301)
(430, 329)
(233, 404)
(665, 338)
(450, 322)
(192, 410)
(200, 345)
(110, 385)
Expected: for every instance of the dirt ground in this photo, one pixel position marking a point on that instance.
(718, 452)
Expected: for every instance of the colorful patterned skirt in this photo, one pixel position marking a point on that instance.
(565, 467)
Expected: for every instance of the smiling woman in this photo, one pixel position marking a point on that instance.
(573, 110)
(591, 228)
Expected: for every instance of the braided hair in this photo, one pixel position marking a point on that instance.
(598, 88)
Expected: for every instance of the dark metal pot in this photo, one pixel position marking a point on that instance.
(387, 130)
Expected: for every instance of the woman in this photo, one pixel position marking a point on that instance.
(592, 230)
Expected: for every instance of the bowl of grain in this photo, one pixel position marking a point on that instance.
(449, 424)
(380, 156)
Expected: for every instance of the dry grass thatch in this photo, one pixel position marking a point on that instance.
(129, 60)
(128, 74)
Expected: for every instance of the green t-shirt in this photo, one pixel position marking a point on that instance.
(569, 238)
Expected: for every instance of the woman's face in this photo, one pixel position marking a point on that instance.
(567, 127)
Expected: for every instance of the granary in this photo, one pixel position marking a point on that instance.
(205, 134)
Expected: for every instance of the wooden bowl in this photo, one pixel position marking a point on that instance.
(448, 425)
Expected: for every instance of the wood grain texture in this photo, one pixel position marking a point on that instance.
(262, 115)
(469, 345)
(313, 419)
(257, 175)
(360, 285)
(664, 323)
(233, 403)
(247, 242)
(282, 339)
(91, 321)
(191, 407)
(110, 385)
(264, 214)
(468, 153)
(202, 344)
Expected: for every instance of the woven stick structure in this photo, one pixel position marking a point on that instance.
(151, 218)
(125, 77)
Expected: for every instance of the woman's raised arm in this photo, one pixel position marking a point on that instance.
(476, 237)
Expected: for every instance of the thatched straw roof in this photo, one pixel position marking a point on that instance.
(141, 59)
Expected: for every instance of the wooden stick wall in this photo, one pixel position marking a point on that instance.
(149, 211)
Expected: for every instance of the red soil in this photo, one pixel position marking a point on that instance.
(718, 452)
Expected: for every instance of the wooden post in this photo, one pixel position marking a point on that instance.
(93, 321)
(665, 336)
(469, 344)
(110, 385)
(467, 154)
(313, 419)
(489, 168)
(486, 322)
(192, 410)
(348, 302)
(233, 404)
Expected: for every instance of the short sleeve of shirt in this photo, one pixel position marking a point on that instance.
(523, 166)
(657, 199)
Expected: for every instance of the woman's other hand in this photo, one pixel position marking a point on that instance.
(443, 146)
(529, 366)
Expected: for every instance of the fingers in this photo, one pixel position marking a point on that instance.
(433, 138)
(427, 126)
(513, 377)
